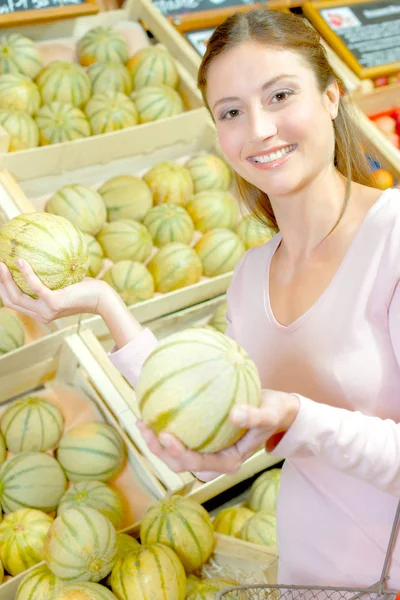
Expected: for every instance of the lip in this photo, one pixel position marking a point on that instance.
(270, 150)
(274, 164)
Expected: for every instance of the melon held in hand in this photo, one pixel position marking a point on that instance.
(189, 385)
(55, 249)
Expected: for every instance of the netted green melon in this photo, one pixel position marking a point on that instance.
(264, 491)
(91, 451)
(219, 251)
(170, 183)
(131, 280)
(175, 266)
(64, 82)
(125, 239)
(254, 233)
(18, 92)
(230, 520)
(31, 423)
(19, 54)
(22, 536)
(96, 255)
(81, 205)
(38, 584)
(59, 123)
(126, 197)
(110, 77)
(152, 66)
(21, 128)
(157, 102)
(52, 245)
(12, 334)
(212, 209)
(169, 223)
(111, 111)
(96, 495)
(209, 172)
(102, 44)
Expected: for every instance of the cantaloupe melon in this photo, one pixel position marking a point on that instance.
(38, 584)
(190, 383)
(170, 183)
(110, 77)
(151, 66)
(31, 423)
(64, 82)
(157, 102)
(174, 266)
(219, 251)
(253, 233)
(126, 197)
(184, 526)
(59, 123)
(230, 520)
(22, 536)
(131, 280)
(91, 451)
(125, 545)
(219, 319)
(83, 590)
(93, 494)
(169, 223)
(81, 205)
(264, 491)
(125, 239)
(54, 247)
(207, 589)
(31, 480)
(19, 54)
(212, 209)
(21, 128)
(18, 92)
(154, 572)
(102, 44)
(81, 545)
(96, 255)
(110, 111)
(260, 529)
(12, 333)
(209, 172)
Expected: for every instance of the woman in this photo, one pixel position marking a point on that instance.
(317, 307)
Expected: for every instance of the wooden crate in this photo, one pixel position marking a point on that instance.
(134, 152)
(372, 103)
(127, 414)
(63, 35)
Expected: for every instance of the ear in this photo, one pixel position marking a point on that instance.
(331, 99)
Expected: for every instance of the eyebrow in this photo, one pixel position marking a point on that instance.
(264, 87)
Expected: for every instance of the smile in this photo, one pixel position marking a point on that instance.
(273, 156)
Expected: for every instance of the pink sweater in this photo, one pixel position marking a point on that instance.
(341, 480)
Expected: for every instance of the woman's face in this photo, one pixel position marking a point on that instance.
(273, 124)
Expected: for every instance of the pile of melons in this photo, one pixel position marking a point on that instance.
(163, 231)
(12, 333)
(65, 101)
(255, 520)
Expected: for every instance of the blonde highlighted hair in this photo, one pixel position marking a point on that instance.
(287, 31)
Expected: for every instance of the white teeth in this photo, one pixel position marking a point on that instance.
(267, 158)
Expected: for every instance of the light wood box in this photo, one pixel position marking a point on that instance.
(70, 30)
(133, 152)
(127, 414)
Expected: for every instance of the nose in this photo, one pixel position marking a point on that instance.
(262, 124)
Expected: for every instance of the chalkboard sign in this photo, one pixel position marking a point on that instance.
(364, 33)
(18, 12)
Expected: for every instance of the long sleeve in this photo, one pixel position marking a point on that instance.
(359, 445)
(130, 359)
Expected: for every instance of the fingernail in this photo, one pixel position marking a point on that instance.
(239, 416)
(20, 262)
(165, 441)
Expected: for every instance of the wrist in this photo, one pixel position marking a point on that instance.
(292, 410)
(119, 320)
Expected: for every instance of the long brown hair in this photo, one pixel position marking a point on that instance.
(290, 32)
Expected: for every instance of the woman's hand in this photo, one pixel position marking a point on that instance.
(275, 415)
(83, 297)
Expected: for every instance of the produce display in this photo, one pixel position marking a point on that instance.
(389, 124)
(131, 280)
(195, 372)
(109, 90)
(12, 334)
(175, 266)
(206, 589)
(260, 529)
